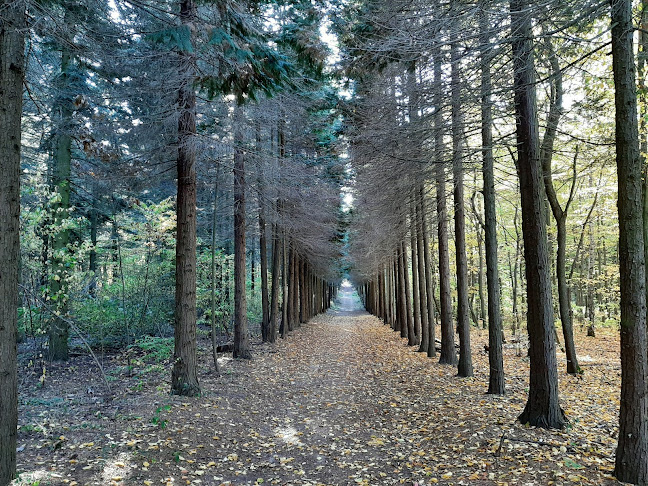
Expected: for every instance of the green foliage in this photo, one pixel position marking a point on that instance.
(158, 349)
(157, 418)
(176, 38)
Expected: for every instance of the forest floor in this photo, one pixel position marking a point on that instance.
(342, 401)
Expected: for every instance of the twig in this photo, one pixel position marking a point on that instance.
(501, 443)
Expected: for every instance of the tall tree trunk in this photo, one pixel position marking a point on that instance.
(448, 354)
(213, 274)
(263, 255)
(402, 306)
(480, 271)
(303, 313)
(642, 61)
(425, 324)
(496, 383)
(263, 243)
(252, 268)
(241, 335)
(630, 465)
(559, 214)
(542, 408)
(465, 367)
(291, 287)
(12, 42)
(94, 227)
(276, 279)
(285, 277)
(411, 337)
(429, 285)
(294, 305)
(61, 183)
(416, 304)
(184, 377)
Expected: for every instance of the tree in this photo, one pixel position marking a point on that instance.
(61, 184)
(12, 45)
(463, 320)
(559, 213)
(448, 354)
(184, 378)
(241, 336)
(496, 384)
(630, 461)
(542, 408)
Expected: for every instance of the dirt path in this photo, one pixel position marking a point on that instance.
(341, 401)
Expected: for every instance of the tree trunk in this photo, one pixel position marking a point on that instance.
(448, 354)
(263, 244)
(184, 377)
(263, 255)
(542, 408)
(630, 465)
(429, 286)
(12, 41)
(418, 217)
(416, 304)
(559, 214)
(213, 274)
(465, 367)
(291, 288)
(402, 307)
(564, 298)
(284, 286)
(94, 226)
(241, 334)
(275, 290)
(303, 313)
(58, 332)
(295, 295)
(496, 383)
(411, 337)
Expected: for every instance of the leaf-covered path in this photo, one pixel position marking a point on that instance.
(342, 401)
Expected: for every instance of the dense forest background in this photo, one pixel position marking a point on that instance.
(214, 170)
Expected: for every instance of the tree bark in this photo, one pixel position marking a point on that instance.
(263, 255)
(542, 408)
(213, 274)
(402, 307)
(303, 312)
(416, 304)
(284, 286)
(429, 285)
(274, 292)
(241, 334)
(12, 69)
(61, 182)
(411, 336)
(448, 354)
(630, 464)
(465, 367)
(559, 214)
(422, 278)
(94, 227)
(496, 383)
(184, 377)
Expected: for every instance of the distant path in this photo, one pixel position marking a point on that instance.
(348, 302)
